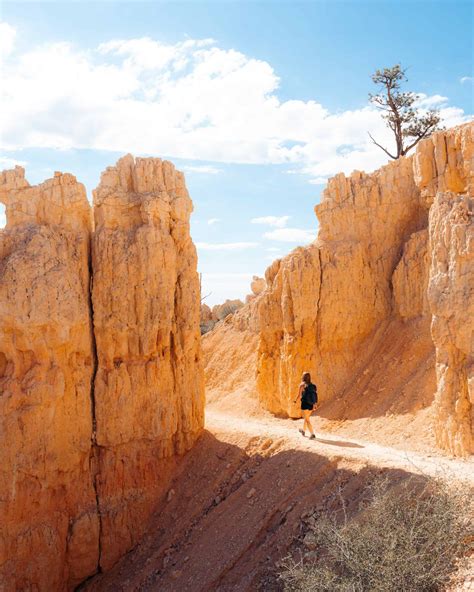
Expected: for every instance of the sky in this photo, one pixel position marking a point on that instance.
(259, 103)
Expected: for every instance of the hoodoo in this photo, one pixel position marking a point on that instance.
(100, 388)
(149, 389)
(49, 525)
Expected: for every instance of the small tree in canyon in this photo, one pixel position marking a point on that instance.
(408, 124)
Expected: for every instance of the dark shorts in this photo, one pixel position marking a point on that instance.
(306, 406)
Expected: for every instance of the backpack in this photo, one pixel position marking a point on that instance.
(311, 394)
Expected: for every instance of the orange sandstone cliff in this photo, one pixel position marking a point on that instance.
(99, 387)
(380, 307)
(149, 389)
(373, 275)
(49, 525)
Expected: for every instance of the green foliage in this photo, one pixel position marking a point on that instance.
(406, 539)
(408, 124)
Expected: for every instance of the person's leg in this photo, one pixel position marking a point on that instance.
(301, 430)
(308, 421)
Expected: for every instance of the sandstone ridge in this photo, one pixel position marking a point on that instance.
(100, 365)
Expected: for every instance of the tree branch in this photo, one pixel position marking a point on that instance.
(377, 144)
(420, 137)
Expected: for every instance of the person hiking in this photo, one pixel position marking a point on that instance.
(308, 394)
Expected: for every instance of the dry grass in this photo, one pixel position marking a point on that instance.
(406, 538)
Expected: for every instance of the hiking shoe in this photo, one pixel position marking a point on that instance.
(301, 432)
(312, 437)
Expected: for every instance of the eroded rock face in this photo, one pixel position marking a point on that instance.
(258, 285)
(444, 171)
(444, 162)
(410, 278)
(49, 526)
(333, 295)
(328, 304)
(451, 296)
(149, 390)
(95, 401)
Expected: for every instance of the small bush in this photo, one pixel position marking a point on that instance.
(228, 308)
(207, 326)
(406, 538)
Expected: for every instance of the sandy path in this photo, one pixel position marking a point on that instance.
(236, 503)
(433, 465)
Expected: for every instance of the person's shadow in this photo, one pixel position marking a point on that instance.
(341, 443)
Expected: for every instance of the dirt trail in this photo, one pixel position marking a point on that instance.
(236, 504)
(331, 445)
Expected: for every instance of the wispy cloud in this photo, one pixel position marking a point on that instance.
(192, 100)
(277, 221)
(226, 246)
(430, 102)
(220, 286)
(204, 169)
(465, 79)
(291, 235)
(9, 163)
(7, 39)
(212, 221)
(319, 180)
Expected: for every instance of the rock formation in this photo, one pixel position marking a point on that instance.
(327, 305)
(451, 295)
(99, 391)
(328, 299)
(444, 172)
(210, 317)
(257, 286)
(49, 525)
(149, 387)
(207, 321)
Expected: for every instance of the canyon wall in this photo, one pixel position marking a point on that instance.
(149, 386)
(101, 388)
(390, 251)
(326, 302)
(444, 172)
(49, 526)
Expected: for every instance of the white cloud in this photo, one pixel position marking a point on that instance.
(190, 100)
(225, 246)
(319, 181)
(7, 39)
(277, 221)
(433, 102)
(10, 163)
(212, 221)
(219, 286)
(291, 235)
(202, 169)
(466, 79)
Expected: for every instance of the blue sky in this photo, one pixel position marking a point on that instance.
(258, 102)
